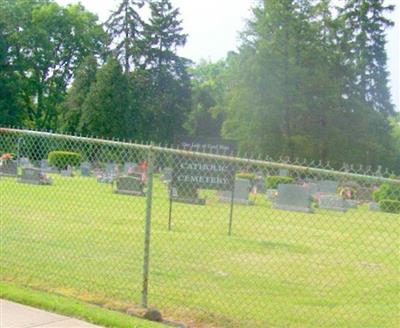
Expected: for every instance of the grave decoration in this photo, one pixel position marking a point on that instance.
(108, 175)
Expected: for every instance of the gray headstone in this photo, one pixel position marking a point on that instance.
(112, 170)
(312, 188)
(293, 198)
(9, 168)
(129, 185)
(350, 203)
(373, 206)
(327, 186)
(260, 182)
(67, 173)
(332, 202)
(186, 195)
(34, 176)
(25, 162)
(241, 194)
(167, 174)
(46, 167)
(283, 172)
(85, 168)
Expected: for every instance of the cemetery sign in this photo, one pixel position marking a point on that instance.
(203, 174)
(206, 145)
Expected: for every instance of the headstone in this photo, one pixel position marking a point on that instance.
(373, 206)
(241, 193)
(350, 203)
(272, 194)
(68, 172)
(167, 174)
(9, 168)
(102, 177)
(112, 170)
(25, 162)
(129, 185)
(32, 175)
(187, 195)
(312, 188)
(332, 202)
(293, 198)
(45, 166)
(283, 172)
(259, 182)
(327, 187)
(85, 168)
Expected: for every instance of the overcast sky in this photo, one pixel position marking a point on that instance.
(213, 27)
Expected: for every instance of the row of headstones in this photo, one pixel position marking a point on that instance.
(130, 183)
(287, 196)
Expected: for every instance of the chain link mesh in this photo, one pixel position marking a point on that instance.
(234, 242)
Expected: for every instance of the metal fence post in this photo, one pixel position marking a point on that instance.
(147, 229)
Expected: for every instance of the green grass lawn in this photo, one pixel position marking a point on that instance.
(278, 269)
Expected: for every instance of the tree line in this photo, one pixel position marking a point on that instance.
(308, 80)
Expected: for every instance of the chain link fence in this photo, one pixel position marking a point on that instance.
(209, 240)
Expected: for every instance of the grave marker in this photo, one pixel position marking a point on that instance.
(9, 168)
(129, 185)
(332, 202)
(34, 176)
(240, 194)
(293, 198)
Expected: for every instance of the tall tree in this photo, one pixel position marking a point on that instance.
(208, 87)
(364, 40)
(169, 91)
(72, 106)
(11, 112)
(48, 42)
(292, 85)
(104, 109)
(125, 27)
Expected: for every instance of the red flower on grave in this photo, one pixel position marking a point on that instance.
(6, 156)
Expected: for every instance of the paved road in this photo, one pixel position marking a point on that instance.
(13, 315)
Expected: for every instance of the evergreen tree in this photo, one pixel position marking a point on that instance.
(208, 86)
(104, 109)
(72, 107)
(363, 39)
(125, 28)
(169, 82)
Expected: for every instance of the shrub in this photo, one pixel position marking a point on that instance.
(390, 206)
(387, 191)
(274, 181)
(246, 175)
(61, 159)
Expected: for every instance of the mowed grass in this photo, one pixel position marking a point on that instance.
(278, 269)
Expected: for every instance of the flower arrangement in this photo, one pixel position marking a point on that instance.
(6, 157)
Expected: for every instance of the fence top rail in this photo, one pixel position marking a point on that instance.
(187, 153)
